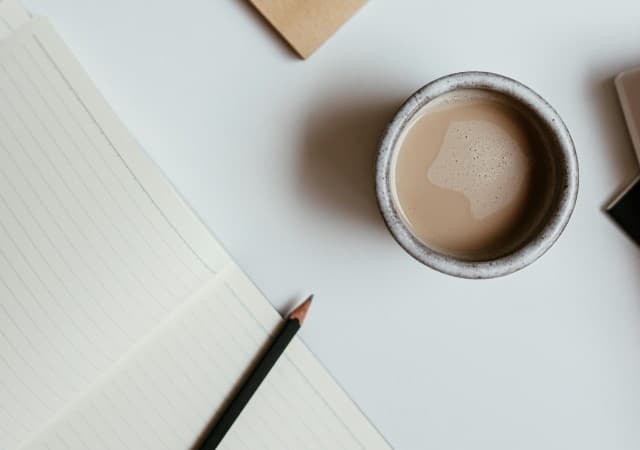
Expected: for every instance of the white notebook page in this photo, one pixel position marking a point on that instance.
(12, 16)
(88, 263)
(175, 381)
(115, 302)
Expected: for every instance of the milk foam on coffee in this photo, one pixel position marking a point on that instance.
(470, 174)
(483, 162)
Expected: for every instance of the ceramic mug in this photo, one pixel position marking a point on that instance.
(562, 156)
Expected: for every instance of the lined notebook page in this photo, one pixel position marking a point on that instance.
(163, 394)
(12, 16)
(88, 261)
(123, 323)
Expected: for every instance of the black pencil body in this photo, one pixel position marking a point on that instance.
(251, 384)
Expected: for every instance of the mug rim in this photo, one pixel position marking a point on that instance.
(537, 244)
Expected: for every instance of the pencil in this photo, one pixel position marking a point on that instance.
(256, 376)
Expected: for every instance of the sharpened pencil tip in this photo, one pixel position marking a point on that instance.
(300, 313)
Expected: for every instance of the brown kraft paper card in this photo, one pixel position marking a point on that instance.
(306, 24)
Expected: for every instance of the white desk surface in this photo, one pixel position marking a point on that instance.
(275, 155)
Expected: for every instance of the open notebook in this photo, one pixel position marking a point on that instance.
(123, 323)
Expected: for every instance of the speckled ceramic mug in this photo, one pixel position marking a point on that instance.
(563, 159)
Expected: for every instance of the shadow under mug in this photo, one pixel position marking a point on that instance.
(562, 156)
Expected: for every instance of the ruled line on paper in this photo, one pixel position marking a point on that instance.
(108, 180)
(247, 330)
(12, 16)
(72, 193)
(50, 297)
(87, 231)
(37, 322)
(290, 386)
(73, 257)
(66, 218)
(117, 153)
(43, 231)
(25, 246)
(191, 365)
(288, 360)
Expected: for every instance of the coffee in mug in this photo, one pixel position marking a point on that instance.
(472, 174)
(477, 175)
